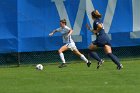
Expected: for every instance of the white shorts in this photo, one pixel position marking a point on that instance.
(71, 46)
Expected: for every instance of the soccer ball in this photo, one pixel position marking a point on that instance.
(39, 67)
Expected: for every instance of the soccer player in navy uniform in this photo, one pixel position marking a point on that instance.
(102, 40)
(70, 44)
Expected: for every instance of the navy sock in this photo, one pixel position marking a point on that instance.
(94, 55)
(114, 58)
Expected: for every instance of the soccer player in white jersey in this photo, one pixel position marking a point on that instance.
(66, 34)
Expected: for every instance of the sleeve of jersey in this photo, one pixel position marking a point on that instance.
(97, 23)
(66, 27)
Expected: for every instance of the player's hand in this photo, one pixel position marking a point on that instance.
(87, 26)
(50, 34)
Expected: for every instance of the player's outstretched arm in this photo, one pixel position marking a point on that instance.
(51, 34)
(88, 27)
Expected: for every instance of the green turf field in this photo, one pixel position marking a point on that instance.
(76, 78)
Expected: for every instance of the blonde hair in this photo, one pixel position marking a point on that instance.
(96, 14)
(63, 21)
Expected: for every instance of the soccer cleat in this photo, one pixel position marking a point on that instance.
(100, 63)
(89, 63)
(62, 65)
(120, 67)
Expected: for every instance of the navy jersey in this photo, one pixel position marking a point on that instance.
(95, 25)
(101, 37)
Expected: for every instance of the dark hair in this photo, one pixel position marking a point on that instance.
(63, 21)
(96, 14)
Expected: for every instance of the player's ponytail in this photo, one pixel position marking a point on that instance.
(96, 14)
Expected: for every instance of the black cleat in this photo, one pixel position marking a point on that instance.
(62, 65)
(99, 64)
(120, 67)
(89, 63)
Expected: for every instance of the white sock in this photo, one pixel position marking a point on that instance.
(84, 58)
(62, 57)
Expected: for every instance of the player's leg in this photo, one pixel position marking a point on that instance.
(76, 51)
(60, 51)
(73, 48)
(108, 51)
(94, 55)
(92, 52)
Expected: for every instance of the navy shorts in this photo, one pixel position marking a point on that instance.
(101, 41)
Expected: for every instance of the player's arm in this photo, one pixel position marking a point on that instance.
(99, 28)
(70, 32)
(88, 27)
(54, 31)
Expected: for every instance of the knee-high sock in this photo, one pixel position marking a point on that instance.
(84, 58)
(114, 58)
(62, 57)
(95, 56)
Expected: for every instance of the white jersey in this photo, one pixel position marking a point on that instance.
(65, 31)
